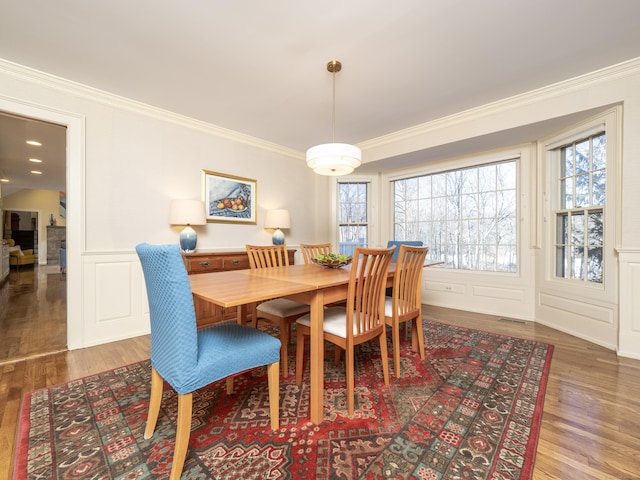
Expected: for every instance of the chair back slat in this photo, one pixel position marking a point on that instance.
(174, 343)
(311, 251)
(366, 291)
(267, 256)
(407, 280)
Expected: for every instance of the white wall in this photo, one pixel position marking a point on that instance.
(125, 162)
(617, 85)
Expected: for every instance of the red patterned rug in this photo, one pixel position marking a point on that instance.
(470, 410)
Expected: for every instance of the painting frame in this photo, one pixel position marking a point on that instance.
(229, 198)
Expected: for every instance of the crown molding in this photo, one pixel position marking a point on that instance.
(621, 70)
(37, 77)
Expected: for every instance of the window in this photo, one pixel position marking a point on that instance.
(580, 214)
(466, 217)
(353, 214)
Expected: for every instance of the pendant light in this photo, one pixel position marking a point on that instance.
(334, 158)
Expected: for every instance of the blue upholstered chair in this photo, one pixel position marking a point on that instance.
(187, 358)
(397, 243)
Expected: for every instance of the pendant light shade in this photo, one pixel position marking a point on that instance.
(334, 158)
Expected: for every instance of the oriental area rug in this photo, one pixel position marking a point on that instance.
(470, 410)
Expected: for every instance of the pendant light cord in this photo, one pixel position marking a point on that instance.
(333, 119)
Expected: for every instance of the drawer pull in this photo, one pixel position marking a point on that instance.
(205, 264)
(235, 262)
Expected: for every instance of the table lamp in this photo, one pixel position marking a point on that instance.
(277, 219)
(187, 212)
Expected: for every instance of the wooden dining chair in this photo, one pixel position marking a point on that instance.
(362, 319)
(280, 311)
(187, 358)
(311, 251)
(404, 304)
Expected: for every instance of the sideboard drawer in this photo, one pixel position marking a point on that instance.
(204, 264)
(236, 262)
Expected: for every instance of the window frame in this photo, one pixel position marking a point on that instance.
(371, 238)
(473, 162)
(564, 235)
(595, 292)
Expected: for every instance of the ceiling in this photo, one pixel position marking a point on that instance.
(259, 67)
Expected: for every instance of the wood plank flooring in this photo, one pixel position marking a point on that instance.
(33, 312)
(590, 426)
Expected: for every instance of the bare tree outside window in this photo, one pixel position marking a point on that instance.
(353, 226)
(580, 216)
(467, 217)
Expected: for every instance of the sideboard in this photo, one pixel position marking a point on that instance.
(215, 261)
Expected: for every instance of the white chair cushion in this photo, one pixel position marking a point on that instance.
(335, 321)
(388, 307)
(282, 307)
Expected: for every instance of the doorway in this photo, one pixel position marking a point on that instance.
(33, 319)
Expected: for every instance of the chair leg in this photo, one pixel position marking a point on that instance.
(385, 357)
(273, 372)
(183, 432)
(395, 339)
(419, 334)
(350, 366)
(155, 399)
(299, 355)
(337, 353)
(285, 335)
(230, 385)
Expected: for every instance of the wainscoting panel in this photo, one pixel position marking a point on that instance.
(113, 291)
(588, 319)
(629, 334)
(516, 295)
(578, 307)
(447, 287)
(115, 305)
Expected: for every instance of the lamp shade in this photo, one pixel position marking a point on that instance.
(334, 158)
(187, 212)
(278, 218)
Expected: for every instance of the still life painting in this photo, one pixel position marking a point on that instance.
(228, 198)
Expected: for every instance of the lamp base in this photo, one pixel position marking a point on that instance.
(188, 239)
(278, 237)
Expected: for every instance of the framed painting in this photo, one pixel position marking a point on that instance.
(229, 199)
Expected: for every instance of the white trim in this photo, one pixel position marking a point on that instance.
(99, 96)
(403, 141)
(558, 298)
(75, 125)
(580, 135)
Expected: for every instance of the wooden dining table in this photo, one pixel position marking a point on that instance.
(313, 285)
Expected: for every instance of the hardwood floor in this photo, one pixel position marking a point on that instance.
(591, 417)
(590, 425)
(33, 312)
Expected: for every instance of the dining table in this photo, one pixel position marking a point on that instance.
(312, 284)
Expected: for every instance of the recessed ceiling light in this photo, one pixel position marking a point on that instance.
(36, 172)
(34, 142)
(35, 160)
(5, 180)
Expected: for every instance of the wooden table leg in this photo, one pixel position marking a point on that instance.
(317, 358)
